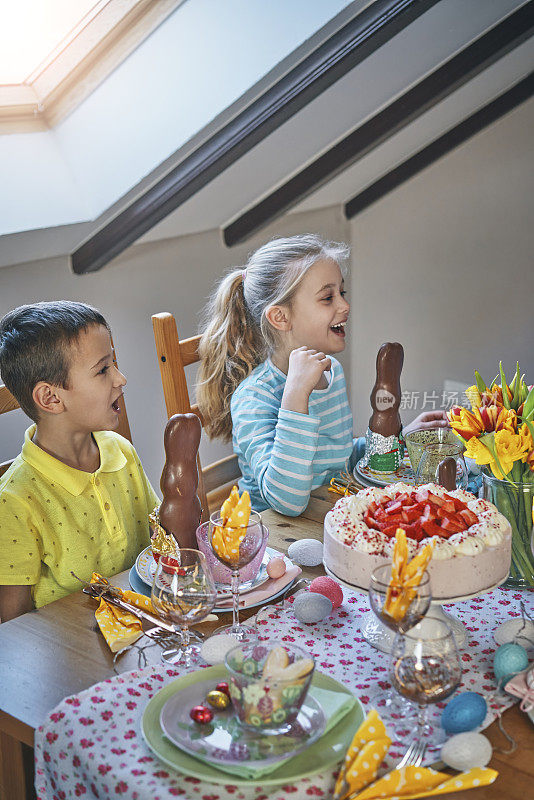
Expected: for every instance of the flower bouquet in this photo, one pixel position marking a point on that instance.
(498, 433)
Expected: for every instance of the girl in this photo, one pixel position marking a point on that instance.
(268, 377)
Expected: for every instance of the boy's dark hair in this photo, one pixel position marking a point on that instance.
(34, 341)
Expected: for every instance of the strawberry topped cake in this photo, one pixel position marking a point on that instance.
(471, 539)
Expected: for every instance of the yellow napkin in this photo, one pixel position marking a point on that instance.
(235, 514)
(405, 577)
(120, 628)
(364, 757)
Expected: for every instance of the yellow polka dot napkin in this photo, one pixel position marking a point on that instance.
(235, 514)
(120, 628)
(405, 576)
(357, 778)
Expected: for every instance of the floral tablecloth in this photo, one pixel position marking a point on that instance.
(91, 745)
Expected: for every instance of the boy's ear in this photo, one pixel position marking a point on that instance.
(278, 317)
(47, 398)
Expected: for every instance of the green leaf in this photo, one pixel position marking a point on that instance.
(504, 387)
(528, 408)
(530, 426)
(494, 381)
(481, 386)
(516, 388)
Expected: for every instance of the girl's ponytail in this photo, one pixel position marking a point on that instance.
(231, 346)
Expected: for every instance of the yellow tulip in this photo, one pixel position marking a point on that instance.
(478, 452)
(473, 395)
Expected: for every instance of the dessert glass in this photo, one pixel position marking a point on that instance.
(268, 691)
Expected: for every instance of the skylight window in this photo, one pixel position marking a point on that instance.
(31, 30)
(54, 53)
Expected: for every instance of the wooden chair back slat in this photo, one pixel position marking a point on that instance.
(8, 403)
(173, 356)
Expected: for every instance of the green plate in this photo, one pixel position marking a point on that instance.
(324, 754)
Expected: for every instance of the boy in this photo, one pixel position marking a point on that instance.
(76, 498)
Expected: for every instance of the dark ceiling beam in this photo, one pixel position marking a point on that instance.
(342, 51)
(490, 113)
(458, 70)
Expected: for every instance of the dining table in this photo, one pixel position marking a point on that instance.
(57, 651)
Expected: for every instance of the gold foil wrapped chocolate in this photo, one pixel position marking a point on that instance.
(218, 700)
(162, 543)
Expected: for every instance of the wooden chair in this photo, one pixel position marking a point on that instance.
(173, 356)
(8, 403)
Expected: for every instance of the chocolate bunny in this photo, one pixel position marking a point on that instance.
(386, 394)
(180, 510)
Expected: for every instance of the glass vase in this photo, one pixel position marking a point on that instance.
(514, 500)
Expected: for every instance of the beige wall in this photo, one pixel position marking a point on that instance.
(444, 265)
(174, 275)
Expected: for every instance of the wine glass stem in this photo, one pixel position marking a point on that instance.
(421, 721)
(185, 637)
(235, 598)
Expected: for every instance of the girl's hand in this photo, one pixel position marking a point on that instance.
(427, 420)
(306, 368)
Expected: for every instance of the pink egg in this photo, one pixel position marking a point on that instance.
(276, 568)
(329, 588)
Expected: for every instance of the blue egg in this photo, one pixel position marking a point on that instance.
(509, 659)
(311, 607)
(464, 712)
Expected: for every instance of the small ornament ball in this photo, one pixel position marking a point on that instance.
(464, 712)
(218, 700)
(466, 750)
(306, 552)
(509, 659)
(223, 687)
(276, 568)
(329, 587)
(201, 714)
(311, 607)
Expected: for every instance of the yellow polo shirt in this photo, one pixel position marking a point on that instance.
(54, 518)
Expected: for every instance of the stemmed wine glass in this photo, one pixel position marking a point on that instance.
(433, 454)
(425, 668)
(183, 592)
(254, 536)
(419, 603)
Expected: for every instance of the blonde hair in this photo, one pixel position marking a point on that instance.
(237, 335)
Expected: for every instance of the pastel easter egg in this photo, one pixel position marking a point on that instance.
(215, 648)
(276, 568)
(306, 552)
(509, 659)
(464, 712)
(466, 750)
(329, 587)
(311, 607)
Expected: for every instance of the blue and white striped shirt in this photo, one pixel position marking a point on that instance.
(284, 455)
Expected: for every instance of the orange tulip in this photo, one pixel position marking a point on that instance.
(498, 418)
(466, 423)
(530, 462)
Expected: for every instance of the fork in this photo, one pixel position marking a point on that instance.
(412, 758)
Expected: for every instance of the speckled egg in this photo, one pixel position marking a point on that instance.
(509, 659)
(276, 568)
(466, 750)
(215, 648)
(306, 552)
(464, 712)
(311, 607)
(329, 587)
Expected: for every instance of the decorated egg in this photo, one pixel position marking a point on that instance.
(329, 587)
(201, 714)
(276, 568)
(464, 712)
(519, 630)
(509, 659)
(311, 607)
(466, 750)
(306, 552)
(215, 648)
(218, 700)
